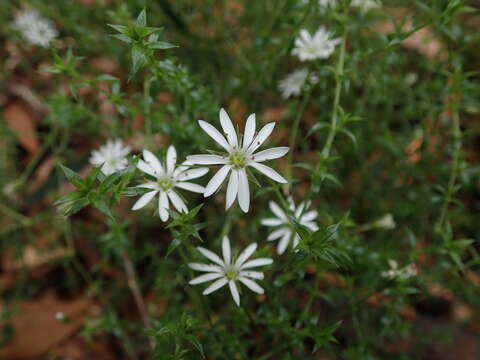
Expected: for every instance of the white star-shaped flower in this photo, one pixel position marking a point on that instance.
(285, 232)
(166, 179)
(319, 46)
(297, 81)
(230, 270)
(240, 155)
(111, 156)
(395, 272)
(35, 29)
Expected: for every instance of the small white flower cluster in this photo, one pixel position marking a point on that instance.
(396, 273)
(36, 29)
(296, 82)
(319, 46)
(241, 154)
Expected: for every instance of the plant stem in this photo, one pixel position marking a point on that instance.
(293, 136)
(147, 102)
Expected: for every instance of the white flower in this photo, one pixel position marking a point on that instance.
(166, 179)
(400, 274)
(230, 270)
(297, 81)
(327, 3)
(365, 5)
(35, 29)
(385, 222)
(239, 157)
(284, 232)
(319, 46)
(111, 156)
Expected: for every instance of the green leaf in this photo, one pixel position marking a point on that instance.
(138, 59)
(161, 45)
(194, 341)
(142, 18)
(101, 205)
(123, 37)
(72, 176)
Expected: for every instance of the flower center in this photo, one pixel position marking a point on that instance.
(238, 160)
(165, 183)
(231, 274)
(113, 162)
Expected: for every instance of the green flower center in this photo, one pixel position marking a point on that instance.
(238, 160)
(165, 183)
(231, 274)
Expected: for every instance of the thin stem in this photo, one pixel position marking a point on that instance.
(22, 219)
(293, 136)
(147, 102)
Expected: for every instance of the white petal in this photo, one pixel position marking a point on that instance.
(205, 159)
(270, 154)
(171, 159)
(263, 134)
(163, 206)
(149, 185)
(309, 216)
(211, 256)
(311, 225)
(226, 250)
(144, 200)
(204, 278)
(252, 285)
(268, 171)
(214, 134)
(107, 169)
(257, 262)
(143, 166)
(234, 292)
(249, 131)
(272, 222)
(205, 267)
(152, 160)
(245, 254)
(177, 201)
(252, 274)
(283, 243)
(228, 128)
(277, 210)
(243, 190)
(232, 189)
(190, 187)
(215, 286)
(217, 180)
(277, 234)
(191, 174)
(299, 210)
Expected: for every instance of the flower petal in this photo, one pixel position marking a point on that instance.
(257, 262)
(252, 274)
(252, 285)
(204, 159)
(249, 132)
(144, 200)
(216, 180)
(272, 222)
(171, 159)
(226, 251)
(270, 154)
(211, 256)
(263, 134)
(215, 286)
(232, 189)
(204, 278)
(283, 243)
(191, 174)
(309, 216)
(177, 201)
(299, 210)
(277, 210)
(146, 168)
(243, 190)
(149, 185)
(205, 267)
(268, 171)
(228, 128)
(163, 206)
(245, 254)
(152, 160)
(277, 234)
(234, 292)
(190, 187)
(214, 134)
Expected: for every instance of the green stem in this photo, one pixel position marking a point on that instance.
(147, 102)
(23, 220)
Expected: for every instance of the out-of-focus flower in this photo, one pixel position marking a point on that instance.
(366, 5)
(297, 81)
(385, 222)
(319, 46)
(111, 156)
(229, 270)
(36, 29)
(396, 273)
(238, 158)
(166, 179)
